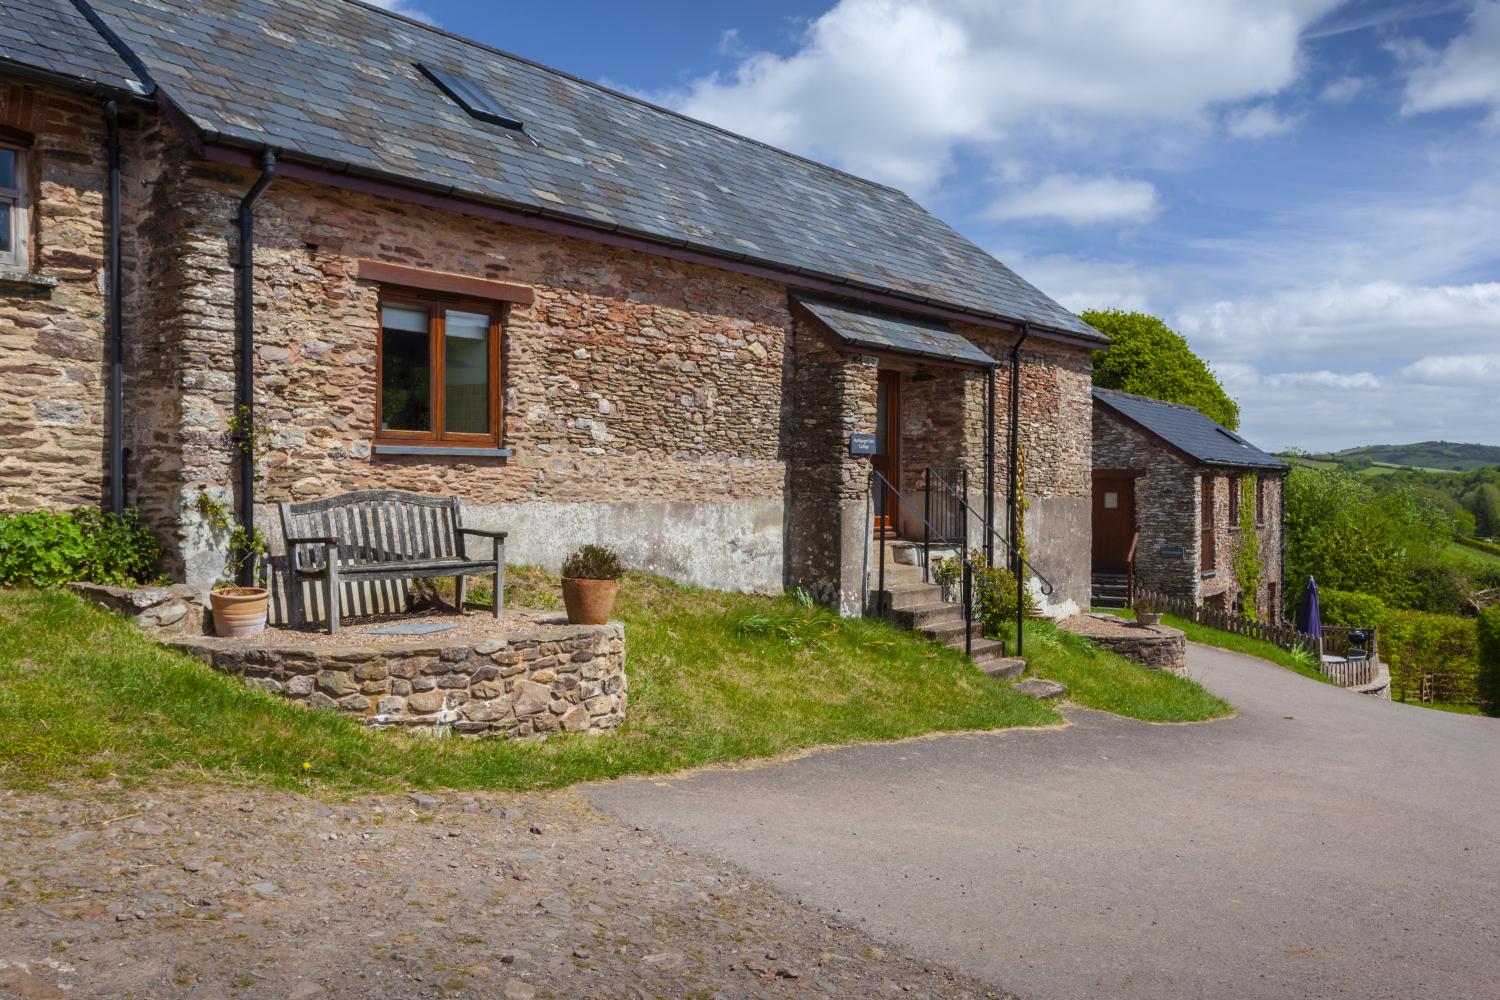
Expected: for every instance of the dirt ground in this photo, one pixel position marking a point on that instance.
(213, 892)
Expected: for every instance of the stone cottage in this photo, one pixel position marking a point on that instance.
(1177, 498)
(260, 250)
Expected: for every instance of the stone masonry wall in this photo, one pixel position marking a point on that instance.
(630, 378)
(1168, 499)
(1166, 503)
(569, 679)
(52, 336)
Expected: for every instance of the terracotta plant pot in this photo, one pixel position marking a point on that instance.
(589, 602)
(1145, 618)
(240, 610)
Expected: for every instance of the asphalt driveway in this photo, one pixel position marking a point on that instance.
(1318, 844)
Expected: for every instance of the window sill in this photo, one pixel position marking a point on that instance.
(16, 276)
(441, 451)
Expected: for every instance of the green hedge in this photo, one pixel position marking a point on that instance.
(1413, 643)
(1479, 544)
(1489, 659)
(45, 549)
(1345, 607)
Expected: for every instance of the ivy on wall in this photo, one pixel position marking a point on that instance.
(1248, 567)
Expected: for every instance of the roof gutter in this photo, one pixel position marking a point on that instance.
(115, 328)
(217, 149)
(244, 411)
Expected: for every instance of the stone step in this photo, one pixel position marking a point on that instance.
(979, 648)
(923, 616)
(1103, 601)
(1004, 668)
(909, 595)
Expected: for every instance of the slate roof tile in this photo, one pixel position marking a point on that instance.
(51, 35)
(1189, 430)
(863, 326)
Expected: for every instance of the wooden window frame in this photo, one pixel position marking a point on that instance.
(1235, 486)
(1260, 501)
(18, 257)
(1207, 548)
(437, 306)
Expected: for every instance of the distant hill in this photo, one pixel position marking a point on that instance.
(1440, 455)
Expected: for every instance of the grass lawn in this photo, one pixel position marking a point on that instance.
(1447, 706)
(1235, 643)
(83, 694)
(1100, 679)
(1462, 555)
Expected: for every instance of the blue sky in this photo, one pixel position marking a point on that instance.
(1308, 190)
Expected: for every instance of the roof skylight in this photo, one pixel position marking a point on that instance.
(471, 97)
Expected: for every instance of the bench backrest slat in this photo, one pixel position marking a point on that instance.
(376, 527)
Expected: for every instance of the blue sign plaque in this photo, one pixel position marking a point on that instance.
(861, 444)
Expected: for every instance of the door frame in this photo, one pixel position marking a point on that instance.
(1112, 476)
(890, 378)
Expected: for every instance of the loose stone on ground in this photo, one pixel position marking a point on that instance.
(209, 893)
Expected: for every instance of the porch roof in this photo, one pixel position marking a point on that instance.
(862, 326)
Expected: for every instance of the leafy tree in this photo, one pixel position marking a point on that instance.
(1485, 505)
(1348, 536)
(1489, 659)
(1151, 359)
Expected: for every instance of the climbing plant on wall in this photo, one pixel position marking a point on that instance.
(1247, 563)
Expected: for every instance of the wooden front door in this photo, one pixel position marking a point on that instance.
(1114, 523)
(887, 457)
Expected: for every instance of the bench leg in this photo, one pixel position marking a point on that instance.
(295, 603)
(460, 591)
(333, 595)
(499, 579)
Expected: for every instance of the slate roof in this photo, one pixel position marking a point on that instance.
(862, 326)
(334, 82)
(1189, 431)
(52, 36)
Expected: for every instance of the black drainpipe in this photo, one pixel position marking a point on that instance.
(244, 410)
(1013, 497)
(116, 333)
(989, 465)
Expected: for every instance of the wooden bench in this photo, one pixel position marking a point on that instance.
(373, 535)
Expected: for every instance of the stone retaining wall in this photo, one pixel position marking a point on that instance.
(566, 679)
(1156, 646)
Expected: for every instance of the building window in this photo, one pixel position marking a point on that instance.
(1260, 503)
(439, 370)
(14, 228)
(1206, 553)
(1234, 502)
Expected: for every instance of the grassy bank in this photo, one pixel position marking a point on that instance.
(83, 694)
(1100, 679)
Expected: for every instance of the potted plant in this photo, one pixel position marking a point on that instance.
(241, 610)
(1147, 614)
(590, 579)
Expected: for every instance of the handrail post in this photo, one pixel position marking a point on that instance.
(968, 581)
(884, 502)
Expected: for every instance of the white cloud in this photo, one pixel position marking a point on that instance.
(1465, 74)
(1260, 121)
(1344, 89)
(1081, 284)
(1080, 200)
(1456, 369)
(893, 88)
(405, 8)
(1374, 321)
(1324, 379)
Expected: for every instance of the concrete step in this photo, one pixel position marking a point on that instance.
(1105, 601)
(922, 616)
(1004, 668)
(979, 648)
(908, 595)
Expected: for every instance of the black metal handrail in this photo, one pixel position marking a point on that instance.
(964, 504)
(945, 534)
(966, 602)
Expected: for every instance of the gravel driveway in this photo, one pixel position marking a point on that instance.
(1318, 844)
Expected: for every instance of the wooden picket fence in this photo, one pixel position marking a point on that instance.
(1335, 642)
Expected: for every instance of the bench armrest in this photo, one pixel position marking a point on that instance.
(313, 540)
(483, 533)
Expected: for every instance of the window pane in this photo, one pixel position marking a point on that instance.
(7, 168)
(405, 370)
(5, 217)
(466, 373)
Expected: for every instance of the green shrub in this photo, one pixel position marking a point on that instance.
(1345, 607)
(1489, 659)
(995, 596)
(1445, 647)
(593, 562)
(47, 549)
